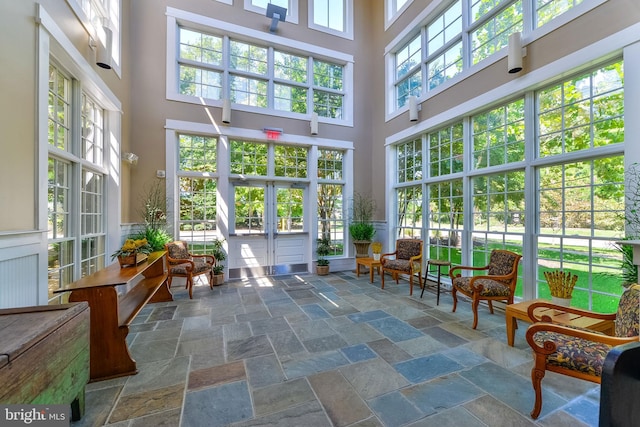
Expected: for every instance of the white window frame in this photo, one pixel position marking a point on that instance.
(434, 10)
(347, 14)
(53, 42)
(177, 17)
(292, 10)
(392, 12)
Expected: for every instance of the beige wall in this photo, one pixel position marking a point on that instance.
(149, 107)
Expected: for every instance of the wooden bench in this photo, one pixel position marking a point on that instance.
(44, 355)
(115, 296)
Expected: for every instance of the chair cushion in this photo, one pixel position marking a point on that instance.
(491, 288)
(408, 248)
(628, 315)
(501, 263)
(178, 250)
(576, 354)
(398, 264)
(199, 267)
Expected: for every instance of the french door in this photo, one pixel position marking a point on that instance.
(268, 234)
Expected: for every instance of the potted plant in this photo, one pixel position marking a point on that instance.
(323, 249)
(132, 252)
(361, 228)
(561, 286)
(376, 248)
(220, 255)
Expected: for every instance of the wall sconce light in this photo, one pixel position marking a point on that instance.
(226, 111)
(414, 107)
(276, 13)
(314, 123)
(514, 58)
(103, 54)
(130, 158)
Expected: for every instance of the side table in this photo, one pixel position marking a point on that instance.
(438, 264)
(368, 262)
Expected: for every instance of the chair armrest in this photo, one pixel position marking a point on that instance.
(462, 267)
(573, 310)
(549, 346)
(211, 258)
(383, 257)
(177, 261)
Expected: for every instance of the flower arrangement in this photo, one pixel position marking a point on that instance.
(376, 247)
(560, 283)
(132, 247)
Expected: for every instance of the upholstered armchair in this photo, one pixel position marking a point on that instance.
(181, 263)
(406, 259)
(499, 283)
(577, 352)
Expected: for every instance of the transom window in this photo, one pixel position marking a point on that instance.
(290, 162)
(248, 158)
(258, 76)
(445, 150)
(498, 136)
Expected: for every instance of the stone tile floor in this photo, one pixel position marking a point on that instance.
(307, 351)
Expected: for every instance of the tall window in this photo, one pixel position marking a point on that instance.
(444, 46)
(409, 202)
(581, 203)
(258, 75)
(331, 223)
(197, 161)
(567, 196)
(75, 195)
(409, 161)
(408, 71)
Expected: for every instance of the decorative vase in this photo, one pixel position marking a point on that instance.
(362, 248)
(376, 257)
(564, 302)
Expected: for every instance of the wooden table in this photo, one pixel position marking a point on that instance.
(519, 311)
(368, 262)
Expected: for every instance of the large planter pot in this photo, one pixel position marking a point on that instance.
(362, 248)
(322, 270)
(218, 279)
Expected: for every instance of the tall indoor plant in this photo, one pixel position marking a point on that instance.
(217, 250)
(361, 228)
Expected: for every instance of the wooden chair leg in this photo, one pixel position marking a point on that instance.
(190, 286)
(536, 380)
(474, 306)
(455, 298)
(490, 306)
(411, 285)
(382, 277)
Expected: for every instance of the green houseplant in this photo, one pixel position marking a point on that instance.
(361, 228)
(217, 250)
(323, 249)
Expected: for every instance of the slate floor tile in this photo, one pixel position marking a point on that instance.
(394, 410)
(217, 406)
(427, 367)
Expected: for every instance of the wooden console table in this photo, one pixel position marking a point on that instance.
(115, 296)
(519, 311)
(44, 355)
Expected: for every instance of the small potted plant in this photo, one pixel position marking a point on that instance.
(561, 286)
(322, 250)
(220, 255)
(376, 248)
(132, 252)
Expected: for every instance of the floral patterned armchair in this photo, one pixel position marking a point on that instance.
(498, 284)
(407, 260)
(181, 263)
(576, 352)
